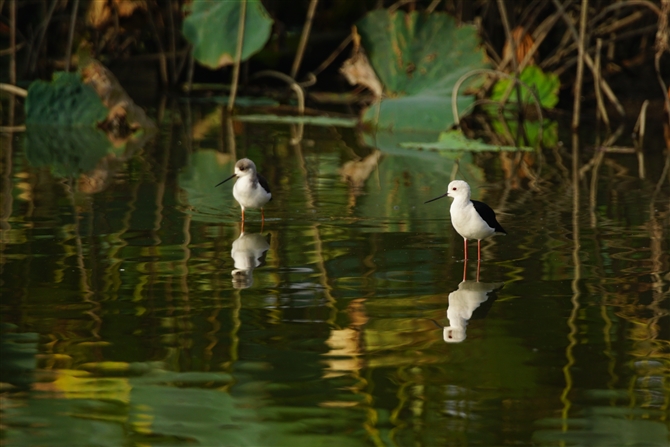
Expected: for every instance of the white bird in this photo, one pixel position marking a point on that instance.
(471, 219)
(462, 303)
(251, 190)
(248, 252)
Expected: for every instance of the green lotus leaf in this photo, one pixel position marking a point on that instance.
(212, 26)
(64, 102)
(418, 58)
(454, 140)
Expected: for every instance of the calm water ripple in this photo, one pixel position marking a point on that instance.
(138, 313)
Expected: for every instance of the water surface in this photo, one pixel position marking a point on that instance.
(135, 312)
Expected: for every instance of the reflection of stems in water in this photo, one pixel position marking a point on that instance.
(656, 230)
(572, 341)
(318, 244)
(208, 353)
(236, 324)
(593, 190)
(611, 365)
(185, 260)
(85, 288)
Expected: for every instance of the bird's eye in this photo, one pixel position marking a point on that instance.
(242, 169)
(454, 188)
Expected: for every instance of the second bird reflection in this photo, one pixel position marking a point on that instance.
(473, 299)
(248, 253)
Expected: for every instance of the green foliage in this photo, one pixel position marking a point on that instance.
(532, 130)
(454, 140)
(418, 57)
(545, 85)
(309, 120)
(66, 150)
(212, 26)
(64, 102)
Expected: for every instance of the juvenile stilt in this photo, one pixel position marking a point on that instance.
(251, 190)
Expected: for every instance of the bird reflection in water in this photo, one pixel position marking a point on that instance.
(248, 252)
(473, 299)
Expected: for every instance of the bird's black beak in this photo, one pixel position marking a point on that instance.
(234, 175)
(432, 200)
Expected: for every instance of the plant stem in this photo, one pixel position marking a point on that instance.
(70, 36)
(12, 41)
(238, 55)
(303, 38)
(576, 109)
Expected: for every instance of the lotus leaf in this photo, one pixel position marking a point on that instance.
(66, 101)
(212, 26)
(454, 140)
(419, 58)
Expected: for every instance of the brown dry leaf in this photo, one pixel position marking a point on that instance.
(114, 97)
(357, 172)
(358, 71)
(100, 11)
(126, 8)
(523, 46)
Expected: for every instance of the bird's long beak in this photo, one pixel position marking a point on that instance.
(234, 175)
(432, 200)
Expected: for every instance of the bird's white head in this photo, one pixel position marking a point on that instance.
(458, 189)
(244, 167)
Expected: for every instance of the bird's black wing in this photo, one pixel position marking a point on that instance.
(264, 183)
(488, 215)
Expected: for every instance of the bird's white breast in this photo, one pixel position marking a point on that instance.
(248, 196)
(467, 221)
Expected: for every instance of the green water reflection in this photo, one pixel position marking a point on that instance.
(135, 313)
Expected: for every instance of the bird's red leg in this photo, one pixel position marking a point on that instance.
(262, 219)
(242, 214)
(479, 250)
(479, 264)
(465, 269)
(465, 248)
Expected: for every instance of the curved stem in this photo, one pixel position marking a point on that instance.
(457, 85)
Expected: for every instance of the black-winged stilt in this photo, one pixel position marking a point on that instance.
(471, 219)
(251, 190)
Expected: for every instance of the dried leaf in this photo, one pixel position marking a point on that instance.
(523, 46)
(98, 14)
(122, 109)
(126, 8)
(357, 69)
